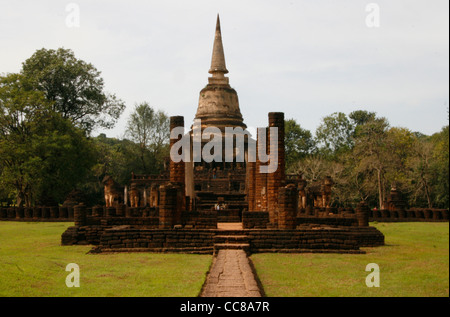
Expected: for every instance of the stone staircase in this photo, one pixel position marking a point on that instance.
(231, 240)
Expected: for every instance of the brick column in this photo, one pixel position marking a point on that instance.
(19, 212)
(176, 168)
(250, 185)
(167, 206)
(110, 211)
(79, 215)
(276, 179)
(97, 211)
(260, 178)
(37, 212)
(287, 207)
(54, 212)
(362, 214)
(70, 212)
(120, 210)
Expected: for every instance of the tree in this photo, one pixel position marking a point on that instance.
(360, 117)
(149, 129)
(42, 155)
(335, 134)
(440, 167)
(298, 143)
(421, 174)
(372, 154)
(74, 87)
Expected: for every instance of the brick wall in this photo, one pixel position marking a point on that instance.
(319, 239)
(255, 219)
(198, 241)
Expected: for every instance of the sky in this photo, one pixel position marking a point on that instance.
(305, 58)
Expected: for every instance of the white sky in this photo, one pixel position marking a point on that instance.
(305, 58)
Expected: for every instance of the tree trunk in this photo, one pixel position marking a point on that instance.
(380, 190)
(427, 192)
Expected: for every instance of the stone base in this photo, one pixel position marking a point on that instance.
(320, 238)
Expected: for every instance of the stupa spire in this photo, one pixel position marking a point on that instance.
(218, 68)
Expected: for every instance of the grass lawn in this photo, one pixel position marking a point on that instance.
(32, 263)
(414, 262)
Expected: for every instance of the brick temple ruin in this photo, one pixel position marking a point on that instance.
(183, 208)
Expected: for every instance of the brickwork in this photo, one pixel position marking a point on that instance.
(362, 214)
(158, 240)
(168, 205)
(287, 207)
(260, 203)
(176, 168)
(304, 239)
(276, 179)
(200, 220)
(251, 186)
(255, 219)
(80, 215)
(319, 239)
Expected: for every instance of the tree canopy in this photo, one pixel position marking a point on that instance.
(74, 87)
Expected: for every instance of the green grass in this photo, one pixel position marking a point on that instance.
(32, 263)
(414, 262)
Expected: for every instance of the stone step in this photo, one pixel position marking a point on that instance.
(231, 246)
(230, 239)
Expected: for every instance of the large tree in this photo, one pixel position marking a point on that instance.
(74, 87)
(371, 152)
(150, 129)
(335, 134)
(42, 155)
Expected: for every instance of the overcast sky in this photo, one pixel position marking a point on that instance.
(305, 58)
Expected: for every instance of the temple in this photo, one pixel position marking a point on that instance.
(239, 180)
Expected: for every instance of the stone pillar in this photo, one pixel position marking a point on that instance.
(45, 212)
(250, 186)
(110, 211)
(362, 214)
(19, 212)
(276, 179)
(79, 215)
(287, 207)
(63, 213)
(177, 173)
(97, 211)
(167, 207)
(11, 212)
(120, 210)
(260, 178)
(54, 212)
(70, 212)
(436, 214)
(37, 212)
(28, 213)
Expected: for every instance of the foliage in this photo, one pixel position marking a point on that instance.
(298, 143)
(366, 158)
(334, 135)
(42, 155)
(150, 130)
(74, 87)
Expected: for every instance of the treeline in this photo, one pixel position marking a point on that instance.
(366, 157)
(49, 110)
(47, 114)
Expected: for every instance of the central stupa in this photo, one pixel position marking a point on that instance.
(218, 104)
